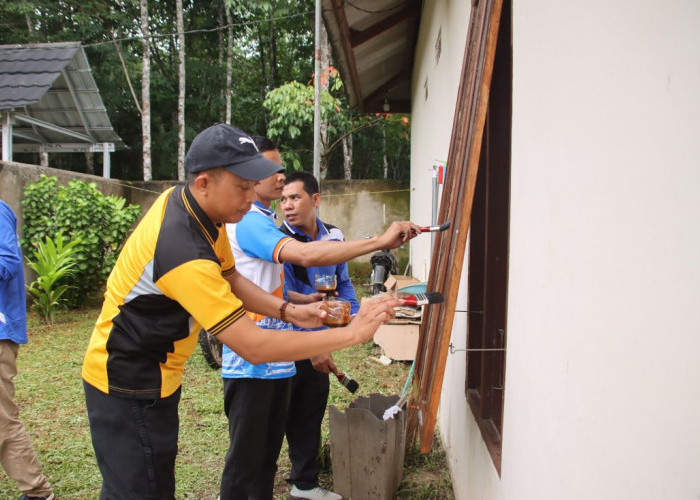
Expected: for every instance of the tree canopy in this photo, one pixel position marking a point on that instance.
(272, 57)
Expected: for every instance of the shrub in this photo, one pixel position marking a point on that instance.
(80, 212)
(52, 263)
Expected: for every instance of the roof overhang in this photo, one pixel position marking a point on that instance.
(51, 97)
(373, 45)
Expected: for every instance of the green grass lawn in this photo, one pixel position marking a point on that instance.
(50, 396)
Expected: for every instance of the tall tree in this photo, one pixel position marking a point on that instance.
(347, 157)
(229, 65)
(146, 92)
(325, 51)
(274, 75)
(181, 92)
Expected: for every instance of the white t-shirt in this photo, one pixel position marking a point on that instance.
(256, 244)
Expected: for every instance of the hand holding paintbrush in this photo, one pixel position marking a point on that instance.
(422, 299)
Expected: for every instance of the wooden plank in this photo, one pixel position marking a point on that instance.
(448, 254)
(340, 452)
(408, 13)
(367, 451)
(339, 13)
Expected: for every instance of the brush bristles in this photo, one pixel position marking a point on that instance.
(350, 384)
(429, 298)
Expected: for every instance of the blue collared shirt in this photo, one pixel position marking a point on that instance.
(293, 282)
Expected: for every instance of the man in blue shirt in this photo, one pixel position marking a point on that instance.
(310, 386)
(17, 455)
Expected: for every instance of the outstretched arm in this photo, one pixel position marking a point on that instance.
(256, 345)
(327, 253)
(257, 300)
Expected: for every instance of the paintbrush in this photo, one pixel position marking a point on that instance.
(350, 384)
(432, 229)
(421, 299)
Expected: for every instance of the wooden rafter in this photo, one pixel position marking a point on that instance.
(359, 37)
(456, 205)
(392, 82)
(342, 22)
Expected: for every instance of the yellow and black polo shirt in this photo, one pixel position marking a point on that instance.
(168, 280)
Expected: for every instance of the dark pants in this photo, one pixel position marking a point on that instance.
(306, 409)
(256, 410)
(135, 444)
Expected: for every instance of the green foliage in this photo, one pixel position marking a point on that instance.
(273, 43)
(100, 223)
(52, 263)
(291, 108)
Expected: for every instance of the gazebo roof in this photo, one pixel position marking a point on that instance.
(50, 90)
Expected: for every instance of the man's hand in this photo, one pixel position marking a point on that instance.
(399, 233)
(302, 298)
(306, 315)
(324, 363)
(372, 314)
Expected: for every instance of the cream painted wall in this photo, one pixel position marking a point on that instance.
(603, 371)
(431, 129)
(431, 119)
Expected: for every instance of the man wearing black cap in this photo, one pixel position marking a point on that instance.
(175, 276)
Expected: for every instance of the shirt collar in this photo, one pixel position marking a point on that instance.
(196, 211)
(265, 210)
(319, 224)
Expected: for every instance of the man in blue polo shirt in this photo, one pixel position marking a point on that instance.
(310, 386)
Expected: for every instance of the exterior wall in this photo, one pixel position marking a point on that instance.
(602, 373)
(362, 208)
(431, 118)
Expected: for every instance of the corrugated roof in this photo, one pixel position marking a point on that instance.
(52, 83)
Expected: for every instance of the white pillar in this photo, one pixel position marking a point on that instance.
(106, 165)
(6, 119)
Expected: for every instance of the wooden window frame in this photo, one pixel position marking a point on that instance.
(469, 133)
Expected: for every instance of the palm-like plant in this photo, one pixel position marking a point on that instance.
(52, 262)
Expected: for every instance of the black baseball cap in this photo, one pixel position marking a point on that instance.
(223, 145)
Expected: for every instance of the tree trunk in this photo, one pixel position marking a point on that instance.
(181, 93)
(263, 72)
(347, 157)
(146, 93)
(273, 49)
(325, 54)
(89, 163)
(386, 161)
(221, 19)
(229, 66)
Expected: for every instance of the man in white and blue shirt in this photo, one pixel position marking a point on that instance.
(256, 396)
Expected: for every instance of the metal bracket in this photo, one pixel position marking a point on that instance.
(453, 350)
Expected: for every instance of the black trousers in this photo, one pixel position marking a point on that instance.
(256, 410)
(135, 444)
(306, 409)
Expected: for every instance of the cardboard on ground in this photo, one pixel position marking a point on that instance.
(399, 337)
(396, 282)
